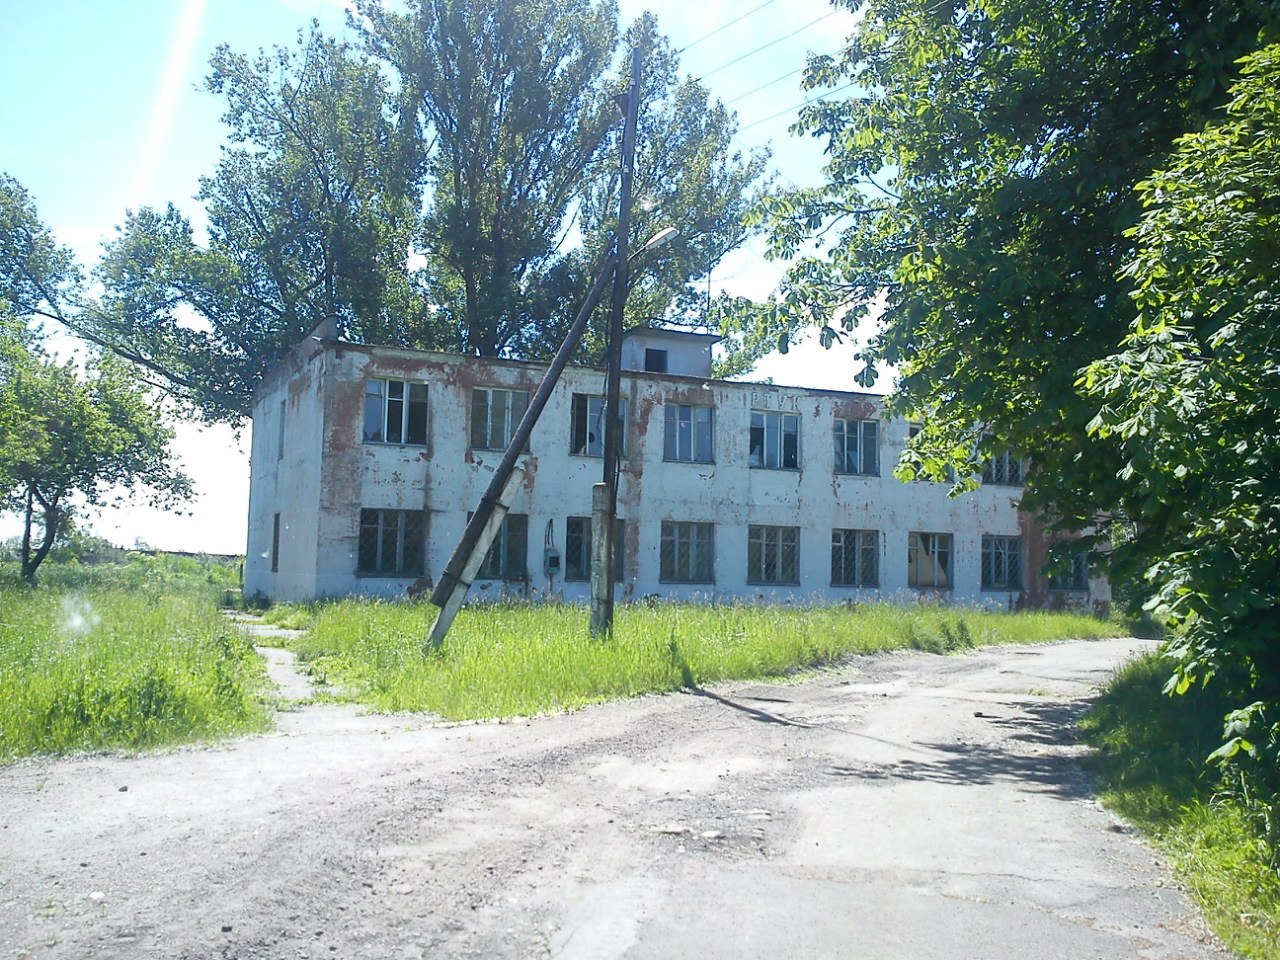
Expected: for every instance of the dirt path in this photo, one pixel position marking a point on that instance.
(905, 806)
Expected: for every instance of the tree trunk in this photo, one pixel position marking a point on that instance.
(52, 517)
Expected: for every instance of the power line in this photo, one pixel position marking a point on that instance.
(771, 43)
(725, 26)
(796, 106)
(790, 73)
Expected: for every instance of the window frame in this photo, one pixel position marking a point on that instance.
(511, 420)
(1002, 553)
(766, 555)
(1076, 579)
(412, 430)
(773, 426)
(941, 544)
(581, 420)
(1010, 469)
(865, 545)
(672, 438)
(699, 538)
(583, 536)
(403, 527)
(840, 431)
(498, 561)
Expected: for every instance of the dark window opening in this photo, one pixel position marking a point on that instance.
(655, 361)
(392, 543)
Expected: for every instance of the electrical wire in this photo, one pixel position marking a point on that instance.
(725, 26)
(766, 46)
(796, 106)
(743, 96)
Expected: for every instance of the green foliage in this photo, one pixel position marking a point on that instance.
(1149, 759)
(120, 669)
(1193, 402)
(510, 660)
(979, 187)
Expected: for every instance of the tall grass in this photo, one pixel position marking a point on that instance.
(513, 660)
(1150, 759)
(120, 668)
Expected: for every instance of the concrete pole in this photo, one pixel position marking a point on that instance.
(603, 546)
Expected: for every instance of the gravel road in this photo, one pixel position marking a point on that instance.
(901, 806)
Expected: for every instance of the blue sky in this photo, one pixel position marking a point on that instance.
(101, 111)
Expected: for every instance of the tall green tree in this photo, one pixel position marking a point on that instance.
(1193, 401)
(980, 186)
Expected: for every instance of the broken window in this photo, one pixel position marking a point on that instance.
(508, 557)
(588, 422)
(655, 360)
(1001, 563)
(495, 415)
(688, 434)
(857, 447)
(1003, 468)
(395, 411)
(929, 560)
(773, 554)
(1075, 577)
(855, 557)
(577, 548)
(392, 543)
(775, 440)
(687, 553)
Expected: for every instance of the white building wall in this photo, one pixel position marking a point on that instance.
(329, 474)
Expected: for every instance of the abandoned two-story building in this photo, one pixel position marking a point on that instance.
(367, 459)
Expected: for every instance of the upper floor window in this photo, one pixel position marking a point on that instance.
(773, 554)
(395, 411)
(495, 414)
(1003, 468)
(688, 433)
(655, 360)
(855, 558)
(392, 543)
(588, 425)
(1001, 563)
(775, 440)
(929, 560)
(857, 446)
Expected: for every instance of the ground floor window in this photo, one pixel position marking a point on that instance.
(855, 558)
(508, 557)
(773, 554)
(1075, 577)
(687, 553)
(1001, 563)
(393, 543)
(929, 560)
(577, 549)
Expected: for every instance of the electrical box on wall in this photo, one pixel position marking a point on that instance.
(551, 561)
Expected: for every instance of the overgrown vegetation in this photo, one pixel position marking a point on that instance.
(123, 655)
(1150, 759)
(513, 660)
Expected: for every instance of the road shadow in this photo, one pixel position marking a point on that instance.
(690, 685)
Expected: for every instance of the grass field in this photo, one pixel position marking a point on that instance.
(122, 666)
(1150, 763)
(515, 660)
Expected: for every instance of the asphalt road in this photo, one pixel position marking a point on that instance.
(902, 806)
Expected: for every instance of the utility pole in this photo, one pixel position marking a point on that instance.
(604, 521)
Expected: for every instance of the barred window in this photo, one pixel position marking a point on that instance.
(773, 554)
(508, 556)
(857, 447)
(577, 548)
(687, 553)
(392, 543)
(588, 425)
(1075, 577)
(495, 415)
(688, 433)
(929, 560)
(395, 411)
(1001, 563)
(855, 557)
(775, 440)
(1003, 468)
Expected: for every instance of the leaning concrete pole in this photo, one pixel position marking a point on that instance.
(455, 580)
(603, 534)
